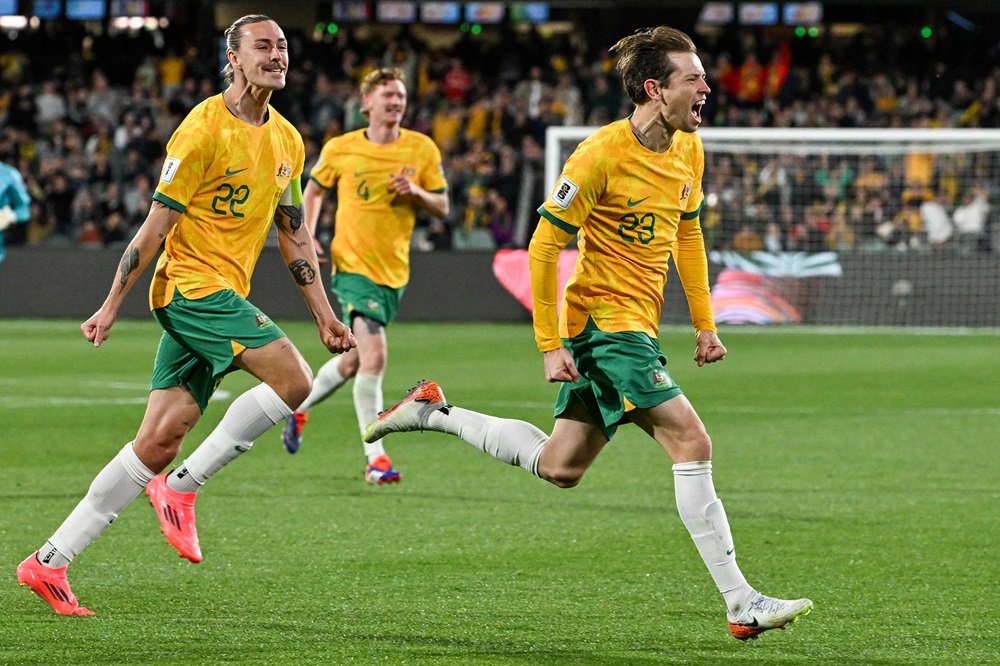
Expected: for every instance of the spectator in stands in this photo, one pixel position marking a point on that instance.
(166, 81)
(970, 220)
(456, 82)
(135, 200)
(103, 101)
(935, 221)
(59, 199)
(50, 105)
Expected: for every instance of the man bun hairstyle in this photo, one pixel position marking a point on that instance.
(234, 38)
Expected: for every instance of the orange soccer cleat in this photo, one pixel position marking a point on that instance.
(51, 585)
(176, 513)
(381, 471)
(291, 435)
(410, 414)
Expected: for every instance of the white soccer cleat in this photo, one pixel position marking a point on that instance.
(410, 414)
(764, 613)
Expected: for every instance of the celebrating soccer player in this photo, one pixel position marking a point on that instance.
(632, 192)
(232, 167)
(383, 174)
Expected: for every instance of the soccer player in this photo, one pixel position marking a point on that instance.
(632, 192)
(232, 167)
(382, 174)
(15, 202)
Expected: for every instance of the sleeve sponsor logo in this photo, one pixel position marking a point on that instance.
(170, 167)
(565, 192)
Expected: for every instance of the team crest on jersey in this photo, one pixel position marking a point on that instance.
(410, 172)
(284, 170)
(373, 305)
(170, 167)
(685, 191)
(262, 320)
(660, 378)
(565, 192)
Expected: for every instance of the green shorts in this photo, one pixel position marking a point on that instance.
(201, 337)
(359, 295)
(618, 371)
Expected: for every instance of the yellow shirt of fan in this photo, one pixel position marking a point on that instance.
(373, 224)
(226, 178)
(632, 209)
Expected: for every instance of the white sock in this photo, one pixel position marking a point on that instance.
(112, 490)
(705, 518)
(367, 405)
(250, 416)
(328, 379)
(514, 442)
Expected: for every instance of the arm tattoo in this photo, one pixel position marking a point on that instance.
(294, 215)
(302, 272)
(129, 262)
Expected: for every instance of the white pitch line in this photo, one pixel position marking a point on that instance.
(20, 402)
(125, 386)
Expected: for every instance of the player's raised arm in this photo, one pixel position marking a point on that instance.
(299, 251)
(137, 255)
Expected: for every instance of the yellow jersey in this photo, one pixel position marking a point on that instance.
(226, 178)
(374, 226)
(632, 209)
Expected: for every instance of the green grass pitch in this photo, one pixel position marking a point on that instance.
(859, 469)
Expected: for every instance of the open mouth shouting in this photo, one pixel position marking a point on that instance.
(696, 110)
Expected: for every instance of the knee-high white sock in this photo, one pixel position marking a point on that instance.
(705, 518)
(328, 379)
(367, 404)
(112, 490)
(250, 416)
(514, 442)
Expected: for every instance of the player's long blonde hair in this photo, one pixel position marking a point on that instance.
(645, 55)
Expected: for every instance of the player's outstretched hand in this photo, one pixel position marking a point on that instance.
(337, 337)
(560, 366)
(710, 349)
(98, 327)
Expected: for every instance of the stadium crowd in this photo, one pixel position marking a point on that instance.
(87, 129)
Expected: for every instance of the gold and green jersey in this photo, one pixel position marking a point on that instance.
(226, 178)
(373, 226)
(632, 209)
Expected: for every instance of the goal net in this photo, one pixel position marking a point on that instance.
(882, 227)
